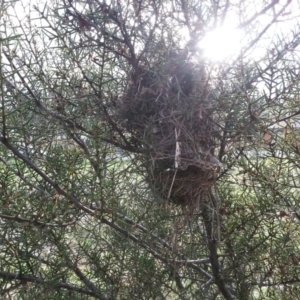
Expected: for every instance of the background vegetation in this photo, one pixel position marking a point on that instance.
(79, 216)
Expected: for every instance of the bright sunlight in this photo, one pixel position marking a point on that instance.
(221, 43)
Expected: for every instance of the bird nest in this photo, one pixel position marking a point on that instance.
(167, 113)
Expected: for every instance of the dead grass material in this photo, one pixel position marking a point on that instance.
(167, 112)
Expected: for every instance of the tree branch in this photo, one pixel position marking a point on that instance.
(212, 244)
(59, 285)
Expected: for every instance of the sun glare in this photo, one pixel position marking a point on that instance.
(221, 43)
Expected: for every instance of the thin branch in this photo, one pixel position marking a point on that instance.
(149, 249)
(84, 279)
(55, 185)
(36, 222)
(17, 173)
(263, 11)
(276, 283)
(77, 203)
(253, 42)
(212, 244)
(64, 120)
(59, 285)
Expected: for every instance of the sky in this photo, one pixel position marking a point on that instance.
(227, 39)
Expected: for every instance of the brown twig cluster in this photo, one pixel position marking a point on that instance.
(167, 112)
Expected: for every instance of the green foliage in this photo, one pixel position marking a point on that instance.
(79, 216)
